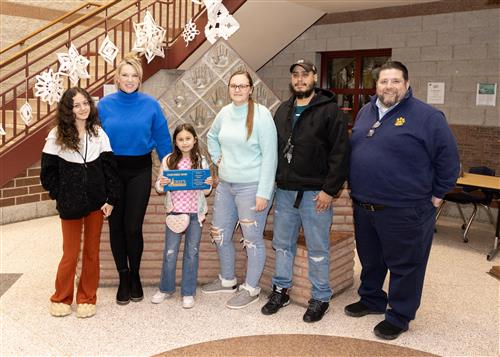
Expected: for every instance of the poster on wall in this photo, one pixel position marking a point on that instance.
(486, 94)
(435, 93)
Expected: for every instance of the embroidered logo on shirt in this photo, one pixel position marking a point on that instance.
(399, 121)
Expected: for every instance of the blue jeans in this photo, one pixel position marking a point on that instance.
(236, 202)
(189, 261)
(287, 222)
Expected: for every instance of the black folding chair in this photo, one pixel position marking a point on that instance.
(470, 195)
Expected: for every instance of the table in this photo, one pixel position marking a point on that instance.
(491, 183)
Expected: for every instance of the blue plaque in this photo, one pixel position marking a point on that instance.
(187, 179)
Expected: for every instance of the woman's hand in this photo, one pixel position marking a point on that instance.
(164, 181)
(209, 181)
(260, 204)
(106, 210)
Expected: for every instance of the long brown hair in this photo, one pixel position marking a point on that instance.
(176, 155)
(67, 133)
(249, 123)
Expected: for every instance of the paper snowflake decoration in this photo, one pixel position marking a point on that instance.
(108, 50)
(26, 113)
(49, 86)
(149, 38)
(2, 132)
(73, 65)
(220, 22)
(190, 32)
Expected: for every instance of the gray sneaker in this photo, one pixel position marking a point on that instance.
(216, 287)
(242, 299)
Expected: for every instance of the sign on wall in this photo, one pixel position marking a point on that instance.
(486, 94)
(435, 93)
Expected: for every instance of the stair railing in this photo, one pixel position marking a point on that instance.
(18, 73)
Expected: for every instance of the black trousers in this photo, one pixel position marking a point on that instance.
(125, 224)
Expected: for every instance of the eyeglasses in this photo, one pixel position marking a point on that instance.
(239, 86)
(81, 105)
(375, 125)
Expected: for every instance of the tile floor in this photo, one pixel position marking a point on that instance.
(459, 315)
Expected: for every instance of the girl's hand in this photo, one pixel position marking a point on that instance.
(209, 181)
(164, 181)
(106, 210)
(260, 204)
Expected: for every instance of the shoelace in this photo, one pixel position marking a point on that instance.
(314, 305)
(275, 298)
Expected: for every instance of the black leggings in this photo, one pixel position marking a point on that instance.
(125, 224)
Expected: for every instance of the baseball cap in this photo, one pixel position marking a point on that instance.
(307, 65)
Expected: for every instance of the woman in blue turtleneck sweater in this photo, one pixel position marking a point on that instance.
(135, 124)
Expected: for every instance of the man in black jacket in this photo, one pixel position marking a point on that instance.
(313, 164)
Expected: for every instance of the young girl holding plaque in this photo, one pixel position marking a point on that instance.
(186, 210)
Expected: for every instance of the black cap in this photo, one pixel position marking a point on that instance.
(307, 65)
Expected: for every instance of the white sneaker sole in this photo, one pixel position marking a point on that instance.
(230, 291)
(241, 306)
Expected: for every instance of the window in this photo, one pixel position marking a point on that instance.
(348, 74)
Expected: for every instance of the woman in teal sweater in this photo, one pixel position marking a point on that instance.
(243, 143)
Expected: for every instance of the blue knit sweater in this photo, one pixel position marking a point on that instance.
(411, 156)
(135, 124)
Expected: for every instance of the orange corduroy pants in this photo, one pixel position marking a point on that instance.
(89, 279)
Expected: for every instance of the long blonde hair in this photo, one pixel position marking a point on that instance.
(249, 123)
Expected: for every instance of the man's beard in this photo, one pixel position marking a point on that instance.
(302, 94)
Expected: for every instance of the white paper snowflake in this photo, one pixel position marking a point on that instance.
(49, 86)
(2, 132)
(210, 4)
(190, 32)
(26, 113)
(220, 23)
(149, 38)
(73, 65)
(108, 50)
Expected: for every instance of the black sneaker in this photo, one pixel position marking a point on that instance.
(388, 331)
(358, 309)
(316, 310)
(279, 298)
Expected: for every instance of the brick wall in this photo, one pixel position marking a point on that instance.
(23, 197)
(154, 237)
(478, 146)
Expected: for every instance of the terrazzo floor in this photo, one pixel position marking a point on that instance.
(459, 314)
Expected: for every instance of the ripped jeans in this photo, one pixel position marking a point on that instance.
(287, 222)
(235, 202)
(192, 238)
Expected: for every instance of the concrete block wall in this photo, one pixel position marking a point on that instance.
(460, 49)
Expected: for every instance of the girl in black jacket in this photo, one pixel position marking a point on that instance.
(79, 172)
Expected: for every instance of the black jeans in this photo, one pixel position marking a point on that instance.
(125, 224)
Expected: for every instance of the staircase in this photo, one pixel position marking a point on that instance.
(21, 144)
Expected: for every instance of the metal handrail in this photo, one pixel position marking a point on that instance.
(33, 60)
(22, 41)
